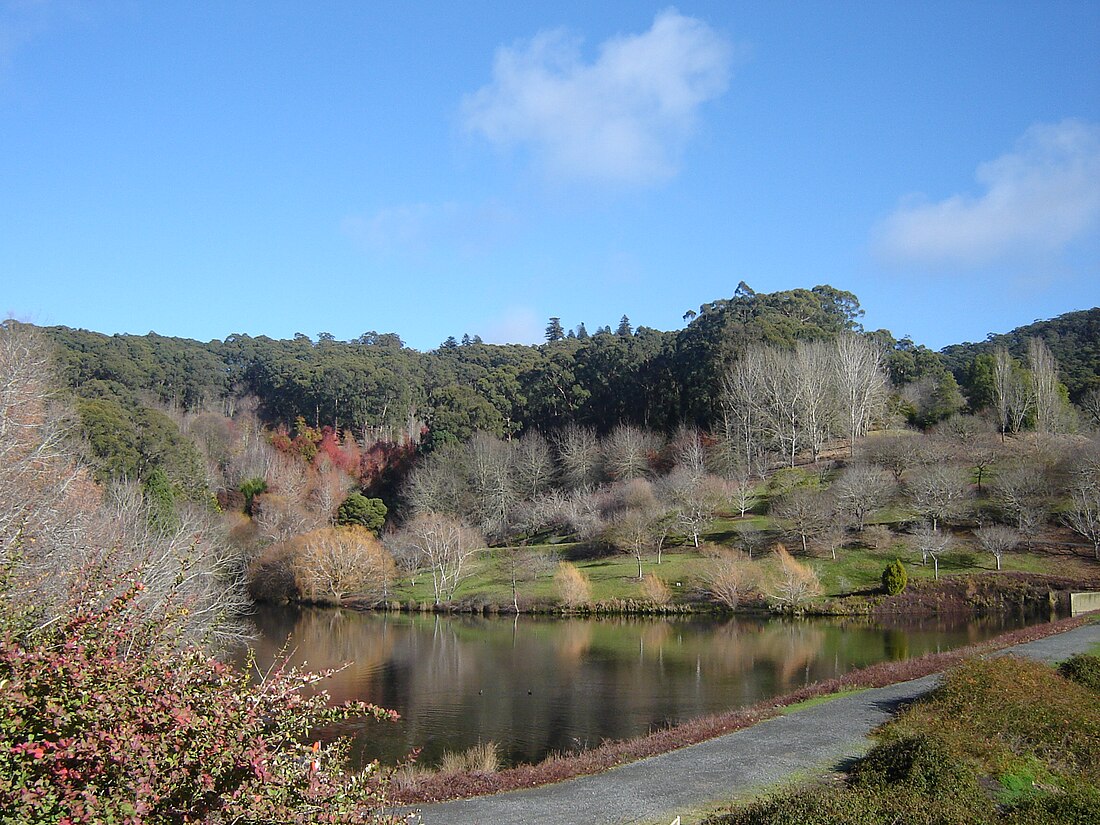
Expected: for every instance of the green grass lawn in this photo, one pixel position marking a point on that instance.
(611, 577)
(857, 568)
(616, 576)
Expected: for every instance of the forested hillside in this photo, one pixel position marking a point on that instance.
(1073, 339)
(131, 390)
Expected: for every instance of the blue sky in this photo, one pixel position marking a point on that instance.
(432, 169)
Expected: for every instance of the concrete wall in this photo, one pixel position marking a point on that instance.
(1083, 603)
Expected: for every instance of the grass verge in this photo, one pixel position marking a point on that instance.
(819, 700)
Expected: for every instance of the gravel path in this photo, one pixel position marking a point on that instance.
(659, 787)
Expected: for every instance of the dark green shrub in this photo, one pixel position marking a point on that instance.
(252, 487)
(880, 805)
(1083, 669)
(160, 498)
(357, 509)
(813, 806)
(1079, 805)
(922, 762)
(894, 577)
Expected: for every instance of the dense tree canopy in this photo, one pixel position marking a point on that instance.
(378, 390)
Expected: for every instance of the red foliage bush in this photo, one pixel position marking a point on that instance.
(100, 723)
(342, 453)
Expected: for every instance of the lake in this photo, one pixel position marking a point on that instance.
(536, 685)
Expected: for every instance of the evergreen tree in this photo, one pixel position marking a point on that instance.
(359, 510)
(894, 578)
(624, 330)
(554, 331)
(582, 332)
(161, 501)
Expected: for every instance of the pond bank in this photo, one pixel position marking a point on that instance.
(960, 594)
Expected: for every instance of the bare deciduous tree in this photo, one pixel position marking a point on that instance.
(816, 394)
(490, 465)
(780, 402)
(861, 385)
(806, 512)
(634, 532)
(1023, 492)
(939, 493)
(438, 484)
(742, 493)
(894, 453)
(742, 424)
(329, 486)
(444, 546)
(579, 456)
(695, 499)
(997, 539)
(1083, 516)
(1090, 403)
(751, 539)
(690, 452)
(627, 452)
(833, 536)
(1012, 394)
(534, 465)
(64, 543)
(279, 517)
(861, 490)
(1046, 399)
(931, 543)
(523, 565)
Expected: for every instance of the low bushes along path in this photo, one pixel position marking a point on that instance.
(660, 787)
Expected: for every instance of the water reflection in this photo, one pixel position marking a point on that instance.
(537, 685)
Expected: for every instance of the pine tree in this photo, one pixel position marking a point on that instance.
(554, 331)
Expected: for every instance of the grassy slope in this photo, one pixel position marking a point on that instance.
(615, 576)
(856, 568)
(1003, 740)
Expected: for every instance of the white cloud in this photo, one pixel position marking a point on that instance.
(420, 230)
(623, 118)
(1035, 200)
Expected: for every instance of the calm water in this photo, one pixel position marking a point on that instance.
(537, 685)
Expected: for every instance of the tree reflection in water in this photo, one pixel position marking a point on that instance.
(537, 685)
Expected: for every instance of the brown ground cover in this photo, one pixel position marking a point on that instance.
(971, 594)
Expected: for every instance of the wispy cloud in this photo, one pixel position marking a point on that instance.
(422, 230)
(1035, 199)
(21, 21)
(518, 325)
(623, 118)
